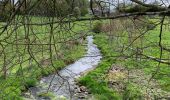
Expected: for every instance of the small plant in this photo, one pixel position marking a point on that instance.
(30, 82)
(84, 11)
(97, 28)
(132, 92)
(44, 73)
(48, 95)
(77, 12)
(150, 26)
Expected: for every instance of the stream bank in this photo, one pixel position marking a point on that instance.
(63, 84)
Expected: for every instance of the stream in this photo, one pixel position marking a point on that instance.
(63, 84)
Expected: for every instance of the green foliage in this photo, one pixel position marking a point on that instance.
(44, 73)
(57, 8)
(47, 95)
(11, 93)
(84, 5)
(30, 82)
(138, 8)
(131, 9)
(9, 89)
(76, 12)
(132, 92)
(6, 11)
(84, 11)
(97, 28)
(59, 64)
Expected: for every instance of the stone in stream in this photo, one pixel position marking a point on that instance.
(86, 93)
(83, 89)
(75, 87)
(78, 90)
(27, 95)
(81, 97)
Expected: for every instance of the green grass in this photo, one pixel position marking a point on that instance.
(47, 95)
(32, 74)
(95, 80)
(13, 86)
(22, 76)
(97, 84)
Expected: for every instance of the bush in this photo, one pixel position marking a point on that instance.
(84, 11)
(97, 28)
(5, 14)
(150, 25)
(44, 73)
(76, 12)
(30, 82)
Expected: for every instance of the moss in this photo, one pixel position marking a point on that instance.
(140, 8)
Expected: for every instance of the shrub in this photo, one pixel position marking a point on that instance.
(97, 28)
(30, 82)
(44, 73)
(150, 25)
(5, 14)
(84, 11)
(76, 12)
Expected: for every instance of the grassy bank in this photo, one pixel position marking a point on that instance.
(23, 71)
(138, 71)
(14, 85)
(95, 80)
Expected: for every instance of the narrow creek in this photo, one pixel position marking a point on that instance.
(63, 84)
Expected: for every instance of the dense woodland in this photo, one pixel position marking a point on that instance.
(125, 45)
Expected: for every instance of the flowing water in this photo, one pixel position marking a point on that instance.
(63, 83)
